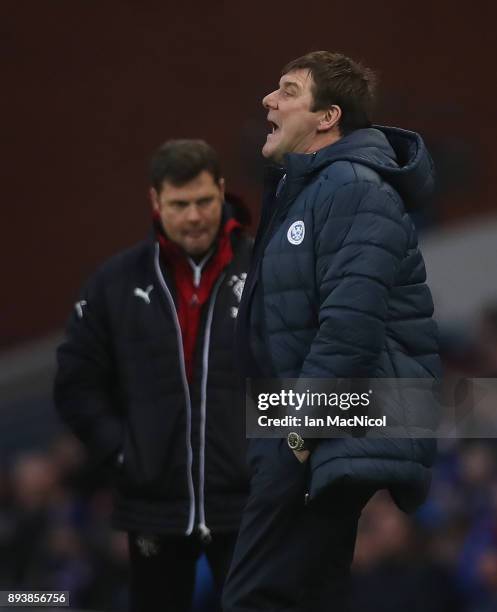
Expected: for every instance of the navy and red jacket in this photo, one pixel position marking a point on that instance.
(122, 386)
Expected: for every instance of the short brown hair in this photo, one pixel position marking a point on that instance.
(180, 161)
(342, 81)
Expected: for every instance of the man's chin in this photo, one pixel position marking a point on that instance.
(271, 153)
(196, 250)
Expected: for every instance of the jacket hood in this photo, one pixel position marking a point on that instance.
(399, 156)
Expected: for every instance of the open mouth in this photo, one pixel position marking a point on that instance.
(274, 127)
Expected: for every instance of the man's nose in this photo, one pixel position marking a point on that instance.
(269, 101)
(192, 213)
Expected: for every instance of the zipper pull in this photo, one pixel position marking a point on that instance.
(205, 533)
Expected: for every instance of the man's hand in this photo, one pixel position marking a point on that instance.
(302, 455)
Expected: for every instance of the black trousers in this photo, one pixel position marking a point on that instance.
(163, 569)
(290, 556)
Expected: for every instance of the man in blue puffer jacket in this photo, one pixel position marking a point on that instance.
(336, 290)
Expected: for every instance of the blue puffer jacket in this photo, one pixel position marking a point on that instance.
(337, 289)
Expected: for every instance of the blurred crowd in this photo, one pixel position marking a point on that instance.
(444, 558)
(55, 531)
(56, 535)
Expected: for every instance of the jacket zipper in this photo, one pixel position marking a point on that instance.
(188, 403)
(205, 532)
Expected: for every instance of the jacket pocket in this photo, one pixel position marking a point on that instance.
(154, 462)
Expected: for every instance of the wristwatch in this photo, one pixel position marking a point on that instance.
(295, 441)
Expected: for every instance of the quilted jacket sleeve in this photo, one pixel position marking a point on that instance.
(360, 241)
(84, 379)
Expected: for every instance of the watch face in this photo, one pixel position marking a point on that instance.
(294, 440)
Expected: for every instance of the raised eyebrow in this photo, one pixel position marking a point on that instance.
(289, 84)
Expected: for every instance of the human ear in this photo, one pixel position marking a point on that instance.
(154, 198)
(330, 118)
(222, 185)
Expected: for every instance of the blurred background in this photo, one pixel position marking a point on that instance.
(89, 90)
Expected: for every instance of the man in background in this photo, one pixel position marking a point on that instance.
(145, 379)
(336, 289)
